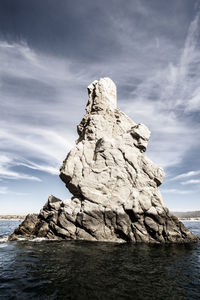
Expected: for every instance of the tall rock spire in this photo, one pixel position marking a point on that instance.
(114, 185)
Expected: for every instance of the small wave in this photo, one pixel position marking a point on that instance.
(3, 239)
(39, 239)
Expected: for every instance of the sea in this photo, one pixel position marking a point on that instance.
(42, 269)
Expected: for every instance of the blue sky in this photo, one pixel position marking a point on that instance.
(50, 51)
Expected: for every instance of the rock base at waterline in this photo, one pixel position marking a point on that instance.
(76, 220)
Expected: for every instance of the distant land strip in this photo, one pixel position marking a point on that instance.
(12, 217)
(187, 215)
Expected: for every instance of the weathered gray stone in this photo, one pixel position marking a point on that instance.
(115, 186)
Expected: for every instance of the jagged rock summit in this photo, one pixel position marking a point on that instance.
(114, 185)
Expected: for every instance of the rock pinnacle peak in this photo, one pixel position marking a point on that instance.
(102, 95)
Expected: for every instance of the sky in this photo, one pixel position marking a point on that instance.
(50, 51)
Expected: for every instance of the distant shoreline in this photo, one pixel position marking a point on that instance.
(187, 215)
(189, 219)
(11, 217)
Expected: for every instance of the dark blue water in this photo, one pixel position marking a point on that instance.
(90, 270)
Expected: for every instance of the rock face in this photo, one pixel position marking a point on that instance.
(114, 185)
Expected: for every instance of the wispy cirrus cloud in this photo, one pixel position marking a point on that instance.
(191, 181)
(6, 172)
(186, 175)
(39, 167)
(32, 93)
(164, 99)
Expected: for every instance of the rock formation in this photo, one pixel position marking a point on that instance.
(114, 185)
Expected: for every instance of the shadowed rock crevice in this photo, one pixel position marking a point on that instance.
(114, 185)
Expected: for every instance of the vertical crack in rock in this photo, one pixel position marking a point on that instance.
(114, 185)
